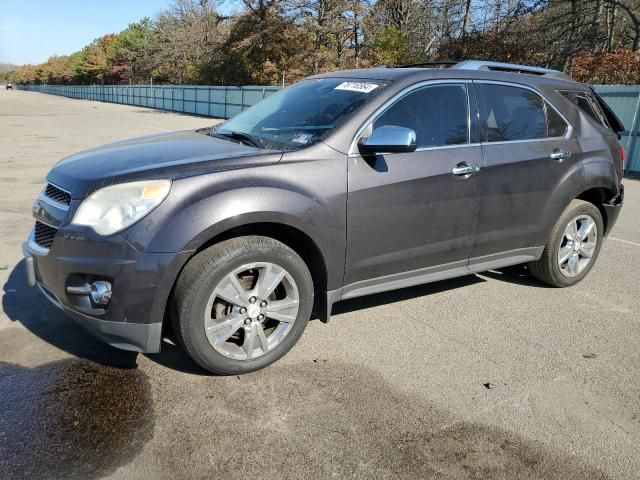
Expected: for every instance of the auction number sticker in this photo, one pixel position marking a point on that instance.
(357, 86)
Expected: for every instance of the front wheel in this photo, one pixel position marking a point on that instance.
(572, 247)
(242, 304)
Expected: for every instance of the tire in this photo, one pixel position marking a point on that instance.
(263, 323)
(549, 268)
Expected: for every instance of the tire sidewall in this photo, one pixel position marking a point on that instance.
(194, 329)
(581, 209)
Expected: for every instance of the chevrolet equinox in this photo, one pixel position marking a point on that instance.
(345, 184)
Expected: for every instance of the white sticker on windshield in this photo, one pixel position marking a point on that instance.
(303, 138)
(357, 87)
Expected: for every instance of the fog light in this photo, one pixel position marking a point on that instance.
(101, 292)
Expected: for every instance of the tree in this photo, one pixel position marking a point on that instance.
(270, 47)
(127, 55)
(325, 25)
(392, 47)
(282, 41)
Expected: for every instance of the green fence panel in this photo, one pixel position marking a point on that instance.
(225, 102)
(212, 101)
(624, 100)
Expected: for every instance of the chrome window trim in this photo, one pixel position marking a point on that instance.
(353, 150)
(502, 142)
(444, 147)
(566, 135)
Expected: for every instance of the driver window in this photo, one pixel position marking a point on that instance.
(437, 113)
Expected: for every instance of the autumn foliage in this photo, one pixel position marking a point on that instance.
(620, 67)
(281, 41)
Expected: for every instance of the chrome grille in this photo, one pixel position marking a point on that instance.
(44, 234)
(57, 194)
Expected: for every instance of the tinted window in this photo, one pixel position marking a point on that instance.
(513, 113)
(438, 114)
(557, 127)
(586, 105)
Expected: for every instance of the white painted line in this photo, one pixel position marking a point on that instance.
(628, 242)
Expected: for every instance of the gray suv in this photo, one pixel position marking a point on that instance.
(346, 184)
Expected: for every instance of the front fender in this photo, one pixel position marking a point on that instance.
(229, 210)
(201, 208)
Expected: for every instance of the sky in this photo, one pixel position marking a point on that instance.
(33, 30)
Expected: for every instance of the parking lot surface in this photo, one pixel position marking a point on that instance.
(486, 376)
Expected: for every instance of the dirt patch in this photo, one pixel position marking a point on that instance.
(71, 419)
(334, 420)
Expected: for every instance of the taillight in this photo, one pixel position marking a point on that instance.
(623, 158)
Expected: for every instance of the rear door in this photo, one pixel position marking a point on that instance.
(407, 212)
(528, 148)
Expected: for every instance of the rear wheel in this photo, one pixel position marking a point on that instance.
(242, 304)
(572, 247)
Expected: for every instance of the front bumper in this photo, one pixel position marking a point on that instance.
(141, 285)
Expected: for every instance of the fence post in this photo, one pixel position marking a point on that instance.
(225, 102)
(634, 132)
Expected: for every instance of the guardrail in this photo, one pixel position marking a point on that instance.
(225, 102)
(220, 102)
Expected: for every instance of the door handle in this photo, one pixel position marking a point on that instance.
(465, 170)
(559, 154)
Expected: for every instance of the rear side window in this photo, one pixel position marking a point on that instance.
(556, 126)
(586, 104)
(437, 113)
(514, 113)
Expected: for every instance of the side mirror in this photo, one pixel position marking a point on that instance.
(388, 139)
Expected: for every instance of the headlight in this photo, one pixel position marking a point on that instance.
(114, 208)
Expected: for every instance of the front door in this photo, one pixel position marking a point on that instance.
(411, 217)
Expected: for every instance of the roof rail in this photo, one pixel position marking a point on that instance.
(444, 64)
(493, 66)
(510, 67)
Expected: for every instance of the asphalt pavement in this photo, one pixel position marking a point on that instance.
(487, 376)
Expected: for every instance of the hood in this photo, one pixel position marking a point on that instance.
(168, 155)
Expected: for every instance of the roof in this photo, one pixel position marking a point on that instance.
(471, 70)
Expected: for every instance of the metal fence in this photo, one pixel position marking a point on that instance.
(225, 102)
(220, 102)
(624, 100)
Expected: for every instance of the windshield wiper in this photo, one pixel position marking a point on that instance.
(242, 137)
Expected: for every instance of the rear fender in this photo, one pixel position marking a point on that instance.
(566, 189)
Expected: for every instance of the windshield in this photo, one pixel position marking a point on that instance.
(302, 114)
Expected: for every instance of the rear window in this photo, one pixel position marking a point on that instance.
(513, 113)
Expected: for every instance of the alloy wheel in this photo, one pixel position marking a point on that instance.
(251, 310)
(577, 246)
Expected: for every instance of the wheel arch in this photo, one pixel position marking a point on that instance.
(295, 238)
(598, 196)
(574, 185)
